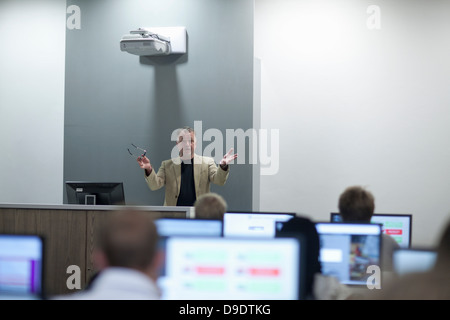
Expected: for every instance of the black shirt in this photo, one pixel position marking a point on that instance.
(187, 189)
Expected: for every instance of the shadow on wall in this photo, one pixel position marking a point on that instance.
(171, 59)
(166, 102)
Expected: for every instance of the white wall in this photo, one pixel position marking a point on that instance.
(356, 106)
(32, 40)
(353, 105)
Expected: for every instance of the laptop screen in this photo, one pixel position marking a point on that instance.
(188, 227)
(252, 224)
(348, 249)
(408, 260)
(398, 226)
(218, 268)
(21, 271)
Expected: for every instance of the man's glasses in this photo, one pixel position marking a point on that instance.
(135, 150)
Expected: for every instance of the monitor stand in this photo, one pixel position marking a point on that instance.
(90, 199)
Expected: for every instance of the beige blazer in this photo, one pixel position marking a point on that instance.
(169, 175)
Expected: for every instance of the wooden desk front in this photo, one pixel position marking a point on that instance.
(68, 232)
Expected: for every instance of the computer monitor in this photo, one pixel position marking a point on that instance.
(409, 260)
(348, 249)
(219, 268)
(398, 226)
(169, 227)
(95, 193)
(21, 267)
(253, 224)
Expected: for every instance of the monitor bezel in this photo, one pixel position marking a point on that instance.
(293, 214)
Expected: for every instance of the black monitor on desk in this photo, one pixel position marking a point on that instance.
(95, 193)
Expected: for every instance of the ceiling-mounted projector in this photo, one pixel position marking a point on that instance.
(155, 41)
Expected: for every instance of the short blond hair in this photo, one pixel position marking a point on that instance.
(210, 206)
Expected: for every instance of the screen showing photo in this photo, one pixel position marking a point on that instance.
(347, 250)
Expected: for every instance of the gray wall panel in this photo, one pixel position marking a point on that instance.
(113, 98)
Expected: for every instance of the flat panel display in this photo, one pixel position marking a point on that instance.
(21, 266)
(252, 224)
(218, 268)
(348, 249)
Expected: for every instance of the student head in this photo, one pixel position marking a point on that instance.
(210, 206)
(356, 204)
(305, 227)
(127, 239)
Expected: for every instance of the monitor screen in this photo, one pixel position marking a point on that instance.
(252, 224)
(348, 249)
(21, 266)
(408, 260)
(169, 227)
(398, 226)
(95, 193)
(218, 268)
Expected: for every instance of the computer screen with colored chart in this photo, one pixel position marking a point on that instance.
(398, 226)
(21, 266)
(218, 268)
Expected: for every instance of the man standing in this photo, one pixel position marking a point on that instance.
(187, 176)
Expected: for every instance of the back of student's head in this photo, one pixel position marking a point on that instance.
(210, 206)
(356, 204)
(128, 239)
(306, 229)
